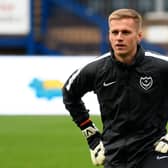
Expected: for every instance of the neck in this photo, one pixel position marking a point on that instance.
(125, 59)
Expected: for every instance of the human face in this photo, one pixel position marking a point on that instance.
(124, 36)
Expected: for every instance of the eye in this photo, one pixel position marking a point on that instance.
(114, 32)
(126, 32)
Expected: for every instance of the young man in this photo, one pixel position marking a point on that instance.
(132, 90)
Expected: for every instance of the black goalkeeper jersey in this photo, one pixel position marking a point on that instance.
(133, 103)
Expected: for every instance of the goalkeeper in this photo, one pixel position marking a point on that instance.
(131, 85)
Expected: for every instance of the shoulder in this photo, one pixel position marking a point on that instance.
(159, 62)
(97, 62)
(100, 59)
(156, 56)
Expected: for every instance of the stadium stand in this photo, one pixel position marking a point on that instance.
(70, 27)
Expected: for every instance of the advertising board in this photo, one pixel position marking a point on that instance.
(32, 85)
(14, 17)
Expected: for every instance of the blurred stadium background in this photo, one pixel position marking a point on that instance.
(75, 27)
(41, 43)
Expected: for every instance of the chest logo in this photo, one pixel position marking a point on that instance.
(146, 82)
(108, 84)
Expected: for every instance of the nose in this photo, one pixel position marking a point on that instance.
(120, 36)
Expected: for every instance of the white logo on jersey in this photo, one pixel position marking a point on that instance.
(146, 82)
(108, 84)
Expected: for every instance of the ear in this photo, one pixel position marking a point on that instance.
(109, 34)
(139, 36)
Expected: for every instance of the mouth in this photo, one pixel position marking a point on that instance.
(120, 46)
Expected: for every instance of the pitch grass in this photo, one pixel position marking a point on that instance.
(43, 142)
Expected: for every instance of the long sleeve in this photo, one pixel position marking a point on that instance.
(79, 83)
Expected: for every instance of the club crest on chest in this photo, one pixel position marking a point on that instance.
(146, 82)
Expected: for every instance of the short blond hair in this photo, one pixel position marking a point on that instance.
(126, 13)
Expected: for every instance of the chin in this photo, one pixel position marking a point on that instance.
(121, 54)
